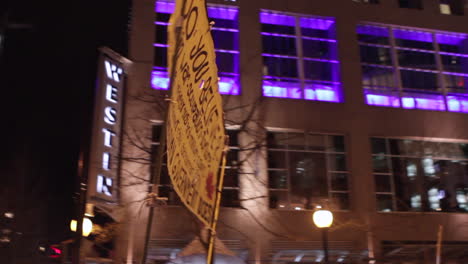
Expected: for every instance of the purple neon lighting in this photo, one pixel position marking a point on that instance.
(273, 18)
(164, 7)
(451, 39)
(277, 19)
(316, 92)
(414, 102)
(226, 85)
(413, 35)
(416, 35)
(316, 23)
(159, 23)
(213, 12)
(160, 45)
(418, 101)
(457, 103)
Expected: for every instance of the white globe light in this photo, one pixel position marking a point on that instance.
(322, 218)
(87, 226)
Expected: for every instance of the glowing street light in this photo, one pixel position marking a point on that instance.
(87, 226)
(323, 219)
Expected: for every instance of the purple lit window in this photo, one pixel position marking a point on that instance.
(225, 35)
(414, 69)
(300, 57)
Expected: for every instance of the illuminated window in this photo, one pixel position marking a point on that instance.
(414, 69)
(412, 4)
(225, 34)
(451, 7)
(230, 193)
(414, 175)
(300, 57)
(305, 170)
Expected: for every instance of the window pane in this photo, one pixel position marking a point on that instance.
(456, 84)
(414, 59)
(407, 190)
(379, 145)
(336, 143)
(233, 137)
(308, 174)
(384, 203)
(276, 159)
(318, 70)
(339, 181)
(464, 150)
(164, 177)
(419, 80)
(160, 57)
(397, 146)
(375, 55)
(161, 34)
(232, 158)
(226, 62)
(318, 49)
(284, 67)
(282, 29)
(277, 179)
(377, 77)
(230, 198)
(231, 177)
(279, 45)
(225, 39)
(383, 183)
(163, 17)
(454, 63)
(337, 162)
(380, 163)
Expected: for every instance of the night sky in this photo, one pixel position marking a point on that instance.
(47, 79)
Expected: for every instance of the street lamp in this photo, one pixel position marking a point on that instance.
(87, 226)
(323, 219)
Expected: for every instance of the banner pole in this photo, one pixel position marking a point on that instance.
(212, 230)
(156, 169)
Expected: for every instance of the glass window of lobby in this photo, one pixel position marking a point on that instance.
(300, 57)
(417, 175)
(230, 193)
(305, 170)
(225, 32)
(414, 69)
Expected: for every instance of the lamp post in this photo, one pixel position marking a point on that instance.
(86, 229)
(323, 219)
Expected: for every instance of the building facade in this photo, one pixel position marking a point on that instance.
(359, 106)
